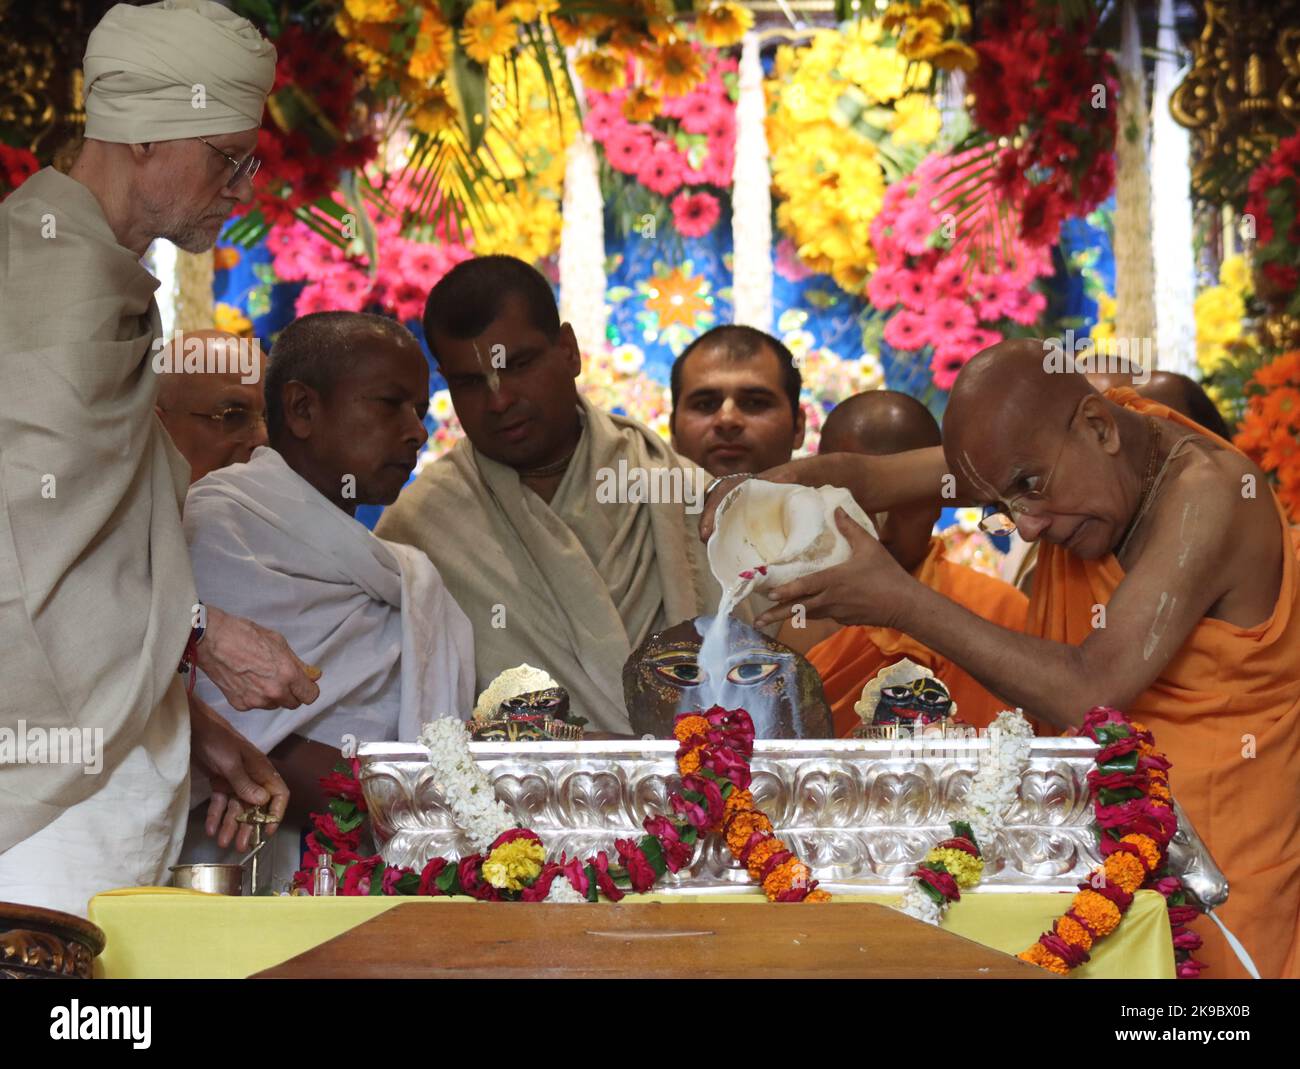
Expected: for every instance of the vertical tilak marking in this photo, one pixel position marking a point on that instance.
(1191, 511)
(1163, 611)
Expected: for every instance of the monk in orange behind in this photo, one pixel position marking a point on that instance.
(1167, 587)
(877, 423)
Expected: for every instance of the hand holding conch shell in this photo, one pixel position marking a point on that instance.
(867, 589)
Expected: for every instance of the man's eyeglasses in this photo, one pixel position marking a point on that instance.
(1000, 517)
(239, 170)
(232, 420)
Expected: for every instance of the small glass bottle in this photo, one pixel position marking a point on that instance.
(324, 882)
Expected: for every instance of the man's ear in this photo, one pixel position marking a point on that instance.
(1098, 416)
(800, 427)
(573, 354)
(301, 408)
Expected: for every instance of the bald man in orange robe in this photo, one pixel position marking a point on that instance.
(877, 423)
(1167, 587)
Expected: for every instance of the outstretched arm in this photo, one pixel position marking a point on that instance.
(1179, 576)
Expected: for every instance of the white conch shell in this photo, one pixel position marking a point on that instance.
(766, 534)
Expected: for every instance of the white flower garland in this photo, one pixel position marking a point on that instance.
(992, 794)
(562, 891)
(463, 785)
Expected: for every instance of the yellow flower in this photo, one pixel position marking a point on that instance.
(532, 10)
(601, 70)
(514, 864)
(921, 38)
(723, 24)
(961, 866)
(441, 407)
(676, 66)
(230, 319)
(953, 55)
(373, 10)
(435, 113)
(433, 45)
(487, 32)
(1234, 273)
(641, 104)
(918, 119)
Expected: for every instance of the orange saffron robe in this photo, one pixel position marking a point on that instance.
(852, 656)
(1226, 712)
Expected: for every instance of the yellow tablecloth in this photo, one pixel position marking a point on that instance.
(163, 933)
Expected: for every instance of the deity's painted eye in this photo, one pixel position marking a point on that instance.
(684, 673)
(897, 694)
(747, 673)
(932, 695)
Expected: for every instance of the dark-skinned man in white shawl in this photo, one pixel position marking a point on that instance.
(275, 539)
(97, 602)
(544, 522)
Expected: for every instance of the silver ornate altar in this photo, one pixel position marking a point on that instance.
(862, 813)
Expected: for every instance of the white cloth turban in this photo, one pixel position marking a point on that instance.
(176, 69)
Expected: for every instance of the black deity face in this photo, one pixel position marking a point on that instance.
(920, 701)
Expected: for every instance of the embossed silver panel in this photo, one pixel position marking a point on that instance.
(862, 813)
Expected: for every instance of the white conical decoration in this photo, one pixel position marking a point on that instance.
(1171, 197)
(751, 198)
(582, 240)
(1135, 320)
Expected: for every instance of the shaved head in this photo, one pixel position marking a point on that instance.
(215, 418)
(1184, 395)
(1017, 425)
(879, 422)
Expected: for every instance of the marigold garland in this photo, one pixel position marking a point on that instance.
(713, 760)
(1135, 822)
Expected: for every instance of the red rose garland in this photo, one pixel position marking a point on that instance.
(713, 760)
(16, 166)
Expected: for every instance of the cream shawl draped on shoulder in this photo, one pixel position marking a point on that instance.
(96, 595)
(572, 586)
(394, 649)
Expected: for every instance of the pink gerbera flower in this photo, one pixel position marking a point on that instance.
(885, 287)
(661, 170)
(718, 166)
(915, 291)
(699, 112)
(603, 119)
(314, 297)
(946, 365)
(913, 229)
(907, 331)
(348, 287)
(626, 148)
(950, 318)
(695, 214)
(949, 278)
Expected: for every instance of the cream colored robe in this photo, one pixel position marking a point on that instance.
(573, 586)
(96, 594)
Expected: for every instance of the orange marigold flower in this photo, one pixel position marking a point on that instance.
(1039, 955)
(689, 762)
(1159, 792)
(785, 876)
(738, 800)
(1098, 911)
(818, 895)
(1147, 845)
(744, 826)
(759, 855)
(1073, 932)
(1125, 871)
(690, 725)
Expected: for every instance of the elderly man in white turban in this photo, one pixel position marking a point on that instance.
(97, 600)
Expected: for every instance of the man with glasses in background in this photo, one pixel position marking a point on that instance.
(1166, 587)
(215, 418)
(97, 599)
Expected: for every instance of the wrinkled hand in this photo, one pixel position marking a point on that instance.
(868, 588)
(254, 666)
(240, 774)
